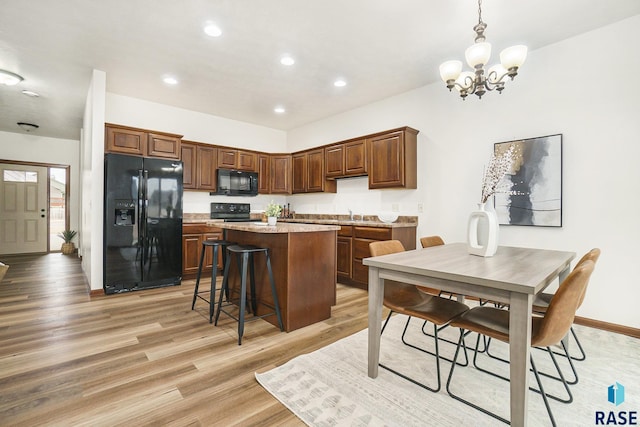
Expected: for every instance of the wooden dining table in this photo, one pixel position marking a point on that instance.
(513, 276)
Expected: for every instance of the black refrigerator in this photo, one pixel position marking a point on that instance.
(142, 223)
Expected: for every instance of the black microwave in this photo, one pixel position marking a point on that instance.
(236, 183)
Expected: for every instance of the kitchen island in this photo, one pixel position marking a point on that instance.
(303, 258)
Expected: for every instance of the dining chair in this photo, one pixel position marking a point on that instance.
(542, 301)
(540, 306)
(406, 299)
(545, 331)
(427, 242)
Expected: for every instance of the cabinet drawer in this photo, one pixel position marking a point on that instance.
(360, 272)
(345, 230)
(374, 233)
(361, 248)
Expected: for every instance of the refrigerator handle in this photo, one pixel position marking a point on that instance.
(141, 209)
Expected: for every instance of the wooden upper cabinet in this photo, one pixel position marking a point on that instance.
(189, 167)
(199, 165)
(355, 158)
(308, 173)
(206, 170)
(299, 171)
(334, 161)
(264, 174)
(392, 159)
(227, 158)
(141, 142)
(165, 146)
(346, 159)
(280, 173)
(247, 161)
(315, 172)
(125, 140)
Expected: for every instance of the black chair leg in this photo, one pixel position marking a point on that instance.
(214, 272)
(225, 287)
(542, 392)
(458, 398)
(195, 291)
(437, 356)
(243, 296)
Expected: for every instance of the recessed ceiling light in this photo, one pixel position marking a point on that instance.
(287, 60)
(31, 93)
(279, 110)
(170, 80)
(212, 30)
(8, 78)
(339, 83)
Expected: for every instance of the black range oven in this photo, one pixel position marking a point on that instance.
(231, 211)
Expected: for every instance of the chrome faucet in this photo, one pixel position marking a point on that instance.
(350, 215)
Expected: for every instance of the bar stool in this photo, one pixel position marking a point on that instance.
(215, 244)
(244, 257)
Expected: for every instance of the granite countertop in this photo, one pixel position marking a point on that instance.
(363, 223)
(280, 227)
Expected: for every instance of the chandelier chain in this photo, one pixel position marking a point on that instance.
(479, 12)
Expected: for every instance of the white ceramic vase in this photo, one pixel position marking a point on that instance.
(272, 220)
(482, 232)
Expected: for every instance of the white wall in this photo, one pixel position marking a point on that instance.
(92, 153)
(39, 149)
(580, 88)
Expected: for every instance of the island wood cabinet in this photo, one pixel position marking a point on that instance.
(346, 159)
(199, 166)
(229, 158)
(192, 237)
(308, 173)
(393, 159)
(359, 241)
(141, 142)
(280, 173)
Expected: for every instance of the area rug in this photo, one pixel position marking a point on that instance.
(330, 386)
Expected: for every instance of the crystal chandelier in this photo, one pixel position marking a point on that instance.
(477, 55)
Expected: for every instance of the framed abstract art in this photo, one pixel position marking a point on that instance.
(535, 183)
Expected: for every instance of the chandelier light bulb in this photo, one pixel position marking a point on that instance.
(478, 54)
(450, 70)
(513, 56)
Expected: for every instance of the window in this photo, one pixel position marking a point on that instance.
(20, 176)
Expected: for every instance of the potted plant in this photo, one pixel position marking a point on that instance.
(68, 247)
(272, 211)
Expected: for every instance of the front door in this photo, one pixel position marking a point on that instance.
(23, 209)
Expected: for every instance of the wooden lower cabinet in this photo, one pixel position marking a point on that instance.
(192, 237)
(344, 253)
(352, 250)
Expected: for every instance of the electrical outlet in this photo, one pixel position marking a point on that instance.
(420, 208)
(395, 207)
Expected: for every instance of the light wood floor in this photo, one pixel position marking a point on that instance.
(142, 358)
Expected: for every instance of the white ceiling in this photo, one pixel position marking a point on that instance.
(381, 48)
